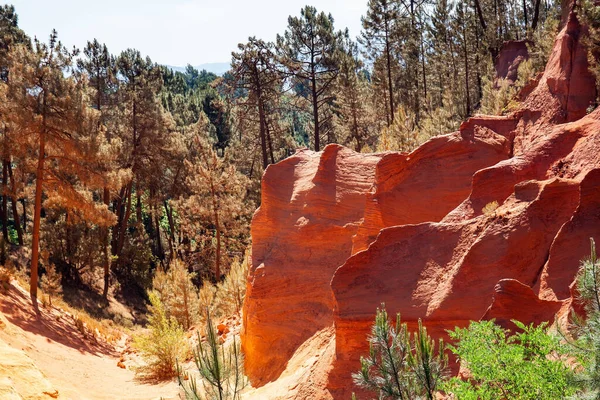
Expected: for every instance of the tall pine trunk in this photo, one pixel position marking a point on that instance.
(315, 106)
(218, 229)
(388, 57)
(106, 249)
(37, 213)
(14, 206)
(4, 210)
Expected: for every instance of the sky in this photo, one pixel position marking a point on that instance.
(175, 32)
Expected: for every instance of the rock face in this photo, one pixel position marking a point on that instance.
(311, 206)
(339, 233)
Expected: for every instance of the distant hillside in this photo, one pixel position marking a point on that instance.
(215, 68)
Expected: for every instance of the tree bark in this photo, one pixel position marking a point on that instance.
(388, 57)
(218, 229)
(159, 247)
(14, 206)
(37, 214)
(315, 105)
(536, 15)
(4, 210)
(466, 59)
(24, 205)
(124, 221)
(171, 229)
(106, 250)
(480, 15)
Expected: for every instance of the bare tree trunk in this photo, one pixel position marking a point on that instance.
(4, 210)
(24, 205)
(106, 261)
(14, 206)
(388, 57)
(37, 214)
(480, 15)
(536, 15)
(218, 229)
(138, 207)
(172, 231)
(124, 221)
(159, 246)
(315, 105)
(466, 59)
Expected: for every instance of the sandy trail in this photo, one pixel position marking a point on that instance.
(79, 368)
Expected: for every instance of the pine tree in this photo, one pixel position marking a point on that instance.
(398, 367)
(221, 370)
(255, 72)
(99, 65)
(10, 36)
(144, 132)
(216, 214)
(310, 49)
(51, 113)
(379, 34)
(354, 117)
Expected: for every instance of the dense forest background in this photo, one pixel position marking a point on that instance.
(113, 166)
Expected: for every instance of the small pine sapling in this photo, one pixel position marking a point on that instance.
(398, 368)
(220, 368)
(587, 330)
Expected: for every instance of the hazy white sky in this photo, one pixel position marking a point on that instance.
(175, 32)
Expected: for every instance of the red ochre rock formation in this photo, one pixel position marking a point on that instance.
(338, 233)
(312, 204)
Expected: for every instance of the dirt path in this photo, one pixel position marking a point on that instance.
(78, 367)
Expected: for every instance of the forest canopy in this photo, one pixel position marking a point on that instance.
(113, 165)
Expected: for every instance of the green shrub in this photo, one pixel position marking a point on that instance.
(526, 365)
(163, 345)
(398, 368)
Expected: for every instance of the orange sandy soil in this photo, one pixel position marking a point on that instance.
(305, 376)
(78, 367)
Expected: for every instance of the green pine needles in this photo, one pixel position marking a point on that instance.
(587, 330)
(220, 368)
(398, 367)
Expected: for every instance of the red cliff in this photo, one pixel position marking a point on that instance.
(338, 233)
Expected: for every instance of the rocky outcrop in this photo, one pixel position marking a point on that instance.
(312, 204)
(487, 222)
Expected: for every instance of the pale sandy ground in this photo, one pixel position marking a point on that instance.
(79, 368)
